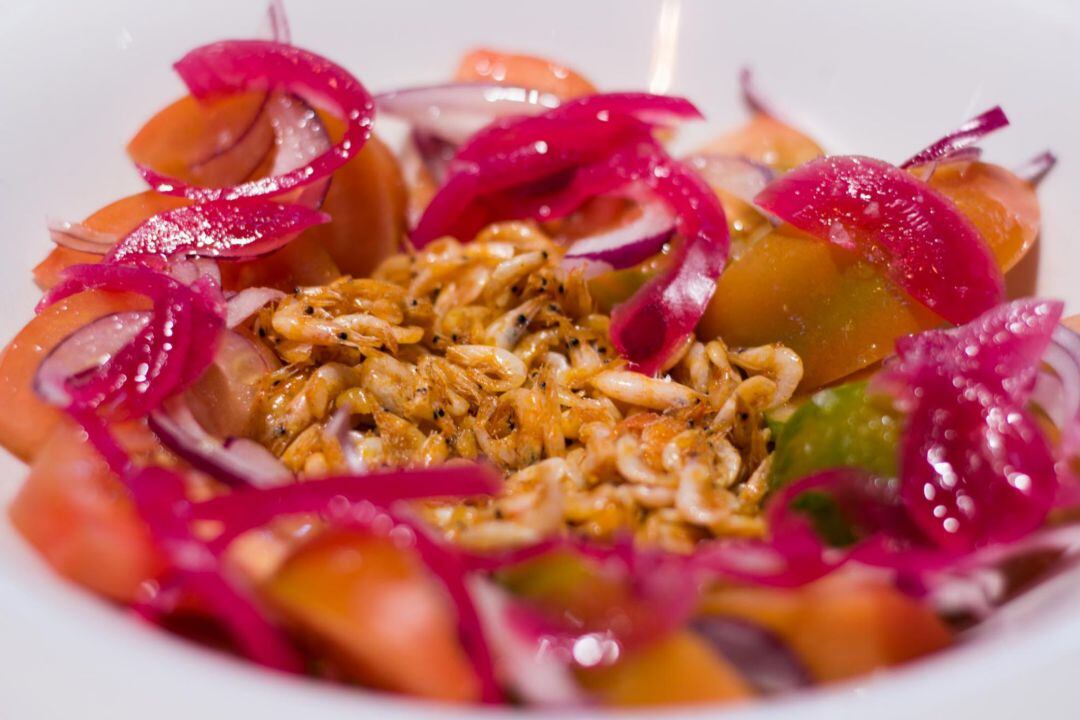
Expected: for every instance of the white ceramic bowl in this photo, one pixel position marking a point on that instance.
(880, 78)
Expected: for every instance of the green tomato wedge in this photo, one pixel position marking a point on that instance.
(843, 426)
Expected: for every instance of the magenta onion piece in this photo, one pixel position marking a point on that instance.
(742, 177)
(235, 463)
(759, 654)
(1037, 168)
(76, 236)
(245, 509)
(196, 568)
(628, 244)
(912, 233)
(975, 466)
(217, 229)
(168, 354)
(456, 111)
(960, 139)
(240, 65)
(247, 302)
(653, 323)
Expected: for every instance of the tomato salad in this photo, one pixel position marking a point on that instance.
(530, 410)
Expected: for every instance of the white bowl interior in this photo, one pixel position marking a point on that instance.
(879, 78)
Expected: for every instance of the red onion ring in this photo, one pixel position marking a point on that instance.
(960, 139)
(626, 245)
(236, 463)
(247, 302)
(760, 655)
(239, 65)
(167, 354)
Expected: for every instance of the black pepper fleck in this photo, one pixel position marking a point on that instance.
(343, 336)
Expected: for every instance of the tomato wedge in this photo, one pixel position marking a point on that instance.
(79, 517)
(373, 608)
(834, 309)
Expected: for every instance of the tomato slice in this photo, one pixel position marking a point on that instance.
(78, 516)
(530, 71)
(29, 421)
(118, 218)
(835, 310)
(373, 609)
(838, 627)
(678, 670)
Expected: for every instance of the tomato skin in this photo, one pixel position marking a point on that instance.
(376, 612)
(30, 421)
(530, 71)
(76, 514)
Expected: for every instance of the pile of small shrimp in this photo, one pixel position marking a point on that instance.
(492, 349)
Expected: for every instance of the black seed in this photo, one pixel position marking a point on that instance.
(309, 310)
(544, 254)
(602, 351)
(498, 514)
(562, 288)
(521, 319)
(275, 383)
(414, 303)
(543, 282)
(343, 336)
(440, 413)
(262, 332)
(543, 385)
(454, 337)
(510, 424)
(574, 342)
(553, 308)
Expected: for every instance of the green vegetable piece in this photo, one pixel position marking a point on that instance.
(838, 427)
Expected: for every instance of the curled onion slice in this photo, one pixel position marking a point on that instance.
(961, 139)
(236, 463)
(912, 233)
(626, 245)
(76, 236)
(976, 468)
(1037, 168)
(238, 65)
(217, 229)
(456, 111)
(168, 353)
(247, 302)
